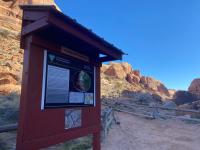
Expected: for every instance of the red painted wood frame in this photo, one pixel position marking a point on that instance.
(42, 128)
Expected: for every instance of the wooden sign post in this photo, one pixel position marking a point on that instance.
(60, 97)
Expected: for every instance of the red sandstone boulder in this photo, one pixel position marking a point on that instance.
(132, 78)
(194, 87)
(136, 73)
(118, 70)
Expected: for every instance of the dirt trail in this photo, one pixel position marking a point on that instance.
(135, 133)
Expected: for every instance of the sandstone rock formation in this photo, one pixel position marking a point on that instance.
(10, 62)
(118, 70)
(195, 87)
(132, 78)
(154, 85)
(10, 16)
(120, 77)
(11, 56)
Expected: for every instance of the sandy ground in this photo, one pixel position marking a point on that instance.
(135, 133)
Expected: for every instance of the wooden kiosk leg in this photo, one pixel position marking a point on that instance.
(96, 141)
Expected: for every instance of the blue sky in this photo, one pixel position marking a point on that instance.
(161, 37)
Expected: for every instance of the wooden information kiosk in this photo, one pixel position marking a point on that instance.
(60, 97)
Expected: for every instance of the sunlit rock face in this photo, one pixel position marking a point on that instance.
(11, 56)
(195, 87)
(10, 15)
(119, 77)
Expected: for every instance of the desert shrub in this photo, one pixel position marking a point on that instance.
(18, 36)
(82, 143)
(3, 145)
(118, 85)
(9, 108)
(4, 33)
(107, 77)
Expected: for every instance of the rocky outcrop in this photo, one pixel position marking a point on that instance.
(133, 77)
(184, 97)
(118, 70)
(130, 79)
(172, 92)
(187, 99)
(11, 56)
(10, 16)
(154, 85)
(195, 87)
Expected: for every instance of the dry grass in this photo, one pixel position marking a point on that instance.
(9, 110)
(83, 143)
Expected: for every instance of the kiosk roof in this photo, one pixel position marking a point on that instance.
(46, 21)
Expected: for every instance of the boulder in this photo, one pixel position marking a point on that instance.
(183, 97)
(136, 73)
(118, 70)
(132, 78)
(194, 87)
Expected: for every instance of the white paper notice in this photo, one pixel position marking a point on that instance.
(57, 88)
(72, 118)
(76, 97)
(89, 98)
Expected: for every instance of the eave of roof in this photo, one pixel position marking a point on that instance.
(81, 28)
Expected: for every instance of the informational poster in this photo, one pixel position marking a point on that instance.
(89, 97)
(67, 82)
(76, 97)
(72, 118)
(57, 89)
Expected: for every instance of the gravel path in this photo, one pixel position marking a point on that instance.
(135, 133)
